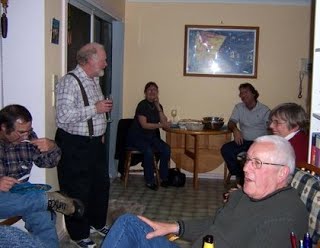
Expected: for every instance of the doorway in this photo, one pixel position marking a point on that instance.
(84, 26)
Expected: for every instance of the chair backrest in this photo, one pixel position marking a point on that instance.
(308, 187)
(122, 133)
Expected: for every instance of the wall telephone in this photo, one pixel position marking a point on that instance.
(305, 69)
(306, 66)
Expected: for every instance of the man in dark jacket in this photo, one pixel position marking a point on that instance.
(261, 215)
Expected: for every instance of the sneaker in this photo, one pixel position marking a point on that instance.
(85, 243)
(103, 231)
(64, 204)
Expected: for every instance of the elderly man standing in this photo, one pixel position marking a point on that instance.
(20, 148)
(263, 214)
(81, 119)
(252, 118)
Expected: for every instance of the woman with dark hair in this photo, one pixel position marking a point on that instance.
(144, 135)
(289, 120)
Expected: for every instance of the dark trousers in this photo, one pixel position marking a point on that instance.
(229, 152)
(148, 147)
(83, 173)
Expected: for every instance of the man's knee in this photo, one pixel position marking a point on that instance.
(227, 149)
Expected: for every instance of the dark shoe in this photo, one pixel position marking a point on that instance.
(65, 205)
(152, 186)
(164, 184)
(122, 177)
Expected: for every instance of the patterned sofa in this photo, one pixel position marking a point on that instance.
(308, 187)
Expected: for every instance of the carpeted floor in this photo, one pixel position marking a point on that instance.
(166, 204)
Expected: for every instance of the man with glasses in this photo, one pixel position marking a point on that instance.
(20, 148)
(248, 121)
(289, 120)
(263, 214)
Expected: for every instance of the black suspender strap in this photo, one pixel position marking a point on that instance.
(86, 102)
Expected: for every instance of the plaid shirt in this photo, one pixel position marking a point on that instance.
(16, 160)
(71, 114)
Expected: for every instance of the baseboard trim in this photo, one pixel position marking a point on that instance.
(208, 175)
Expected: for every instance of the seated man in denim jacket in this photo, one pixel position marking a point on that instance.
(19, 150)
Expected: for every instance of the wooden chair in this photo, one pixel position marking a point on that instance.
(309, 167)
(227, 175)
(129, 156)
(130, 152)
(10, 221)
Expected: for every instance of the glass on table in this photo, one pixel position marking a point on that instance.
(174, 113)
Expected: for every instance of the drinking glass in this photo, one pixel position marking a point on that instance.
(109, 98)
(174, 113)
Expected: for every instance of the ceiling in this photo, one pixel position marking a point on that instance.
(278, 2)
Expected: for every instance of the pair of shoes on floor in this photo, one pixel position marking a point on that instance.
(164, 184)
(85, 243)
(152, 186)
(65, 205)
(102, 231)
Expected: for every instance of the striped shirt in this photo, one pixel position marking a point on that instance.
(16, 160)
(71, 114)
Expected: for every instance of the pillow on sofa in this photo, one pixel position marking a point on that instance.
(308, 188)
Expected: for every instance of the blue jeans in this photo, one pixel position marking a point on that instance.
(32, 206)
(147, 146)
(229, 152)
(129, 231)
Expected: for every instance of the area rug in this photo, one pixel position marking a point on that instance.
(119, 207)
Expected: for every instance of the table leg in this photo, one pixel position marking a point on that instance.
(196, 162)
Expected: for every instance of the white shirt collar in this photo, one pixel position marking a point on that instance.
(290, 135)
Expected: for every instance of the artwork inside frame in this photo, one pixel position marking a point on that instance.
(221, 51)
(55, 29)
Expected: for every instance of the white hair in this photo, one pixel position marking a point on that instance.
(282, 153)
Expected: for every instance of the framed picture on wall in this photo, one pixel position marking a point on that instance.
(55, 31)
(221, 51)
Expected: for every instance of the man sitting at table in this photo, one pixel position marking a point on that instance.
(252, 117)
(263, 214)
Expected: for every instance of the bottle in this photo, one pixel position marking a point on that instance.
(301, 243)
(208, 242)
(307, 242)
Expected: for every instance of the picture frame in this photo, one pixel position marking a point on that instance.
(55, 29)
(221, 51)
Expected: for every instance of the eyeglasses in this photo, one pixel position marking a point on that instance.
(276, 122)
(257, 163)
(21, 132)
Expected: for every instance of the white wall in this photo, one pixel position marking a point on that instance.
(23, 63)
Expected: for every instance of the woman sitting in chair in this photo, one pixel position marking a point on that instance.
(289, 120)
(144, 135)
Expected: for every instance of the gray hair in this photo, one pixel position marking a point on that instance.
(282, 153)
(88, 51)
(292, 113)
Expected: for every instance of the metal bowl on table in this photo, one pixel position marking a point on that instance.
(213, 122)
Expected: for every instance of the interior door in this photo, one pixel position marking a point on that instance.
(78, 33)
(84, 27)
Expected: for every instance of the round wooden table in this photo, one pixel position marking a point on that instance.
(193, 152)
